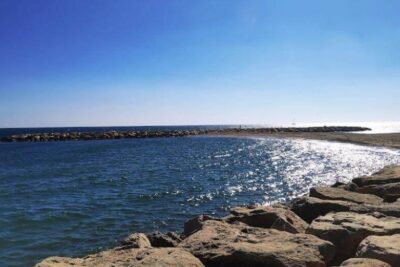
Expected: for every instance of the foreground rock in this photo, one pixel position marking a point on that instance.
(347, 229)
(309, 208)
(220, 244)
(332, 193)
(269, 217)
(364, 262)
(150, 257)
(384, 248)
(389, 174)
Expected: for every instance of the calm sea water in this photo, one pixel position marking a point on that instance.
(77, 197)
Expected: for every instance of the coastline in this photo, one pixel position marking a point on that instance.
(388, 140)
(355, 224)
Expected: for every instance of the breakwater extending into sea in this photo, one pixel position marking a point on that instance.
(70, 136)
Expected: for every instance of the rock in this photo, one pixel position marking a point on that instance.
(169, 239)
(332, 193)
(384, 248)
(347, 229)
(381, 190)
(364, 262)
(149, 257)
(309, 208)
(219, 244)
(269, 217)
(389, 174)
(193, 225)
(137, 240)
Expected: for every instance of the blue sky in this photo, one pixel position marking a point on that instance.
(126, 62)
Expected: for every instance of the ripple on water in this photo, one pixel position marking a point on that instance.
(74, 198)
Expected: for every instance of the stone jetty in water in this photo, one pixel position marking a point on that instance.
(70, 136)
(354, 224)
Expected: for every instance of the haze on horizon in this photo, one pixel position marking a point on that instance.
(93, 63)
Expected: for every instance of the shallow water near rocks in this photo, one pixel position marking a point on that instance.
(74, 198)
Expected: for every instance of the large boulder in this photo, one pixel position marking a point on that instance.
(268, 217)
(364, 262)
(389, 192)
(169, 239)
(149, 257)
(333, 193)
(347, 229)
(389, 174)
(309, 208)
(384, 248)
(219, 244)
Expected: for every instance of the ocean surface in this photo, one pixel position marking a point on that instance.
(77, 197)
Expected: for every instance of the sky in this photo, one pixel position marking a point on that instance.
(127, 62)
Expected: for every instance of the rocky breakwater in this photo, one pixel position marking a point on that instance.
(355, 224)
(71, 136)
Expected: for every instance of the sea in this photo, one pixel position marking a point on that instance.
(73, 198)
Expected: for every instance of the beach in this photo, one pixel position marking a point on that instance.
(389, 140)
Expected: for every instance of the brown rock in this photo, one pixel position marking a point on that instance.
(220, 244)
(364, 262)
(269, 217)
(381, 190)
(389, 174)
(347, 229)
(169, 239)
(384, 248)
(149, 257)
(193, 225)
(309, 208)
(333, 193)
(137, 240)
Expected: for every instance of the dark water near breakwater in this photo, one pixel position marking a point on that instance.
(74, 198)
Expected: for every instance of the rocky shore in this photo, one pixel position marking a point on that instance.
(69, 136)
(355, 224)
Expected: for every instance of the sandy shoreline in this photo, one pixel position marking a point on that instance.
(389, 140)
